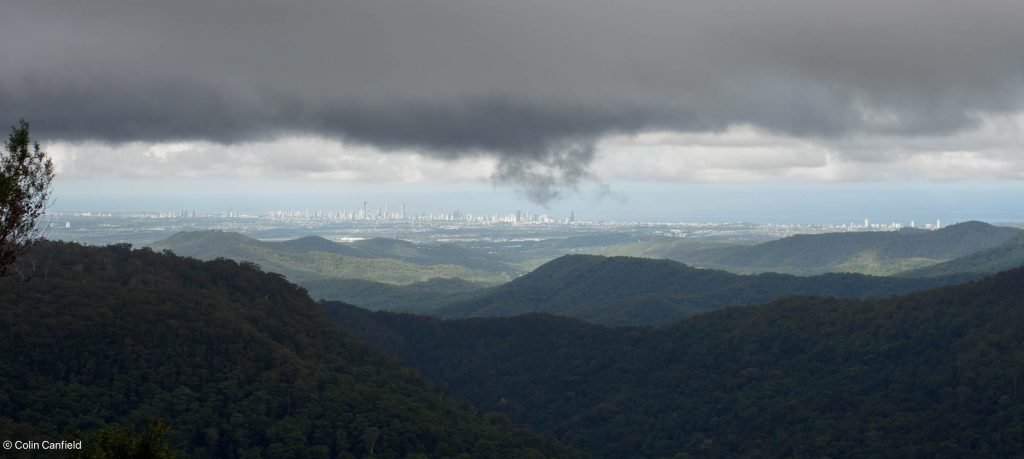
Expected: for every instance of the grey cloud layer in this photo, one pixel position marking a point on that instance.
(531, 82)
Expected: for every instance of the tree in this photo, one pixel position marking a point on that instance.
(118, 442)
(25, 176)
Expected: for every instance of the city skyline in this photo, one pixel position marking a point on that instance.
(518, 216)
(777, 202)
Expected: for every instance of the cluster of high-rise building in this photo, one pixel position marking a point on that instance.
(894, 225)
(363, 213)
(387, 213)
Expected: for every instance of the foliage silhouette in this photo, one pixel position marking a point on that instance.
(25, 177)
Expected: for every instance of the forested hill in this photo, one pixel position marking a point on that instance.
(240, 363)
(872, 252)
(381, 273)
(207, 245)
(932, 374)
(1007, 255)
(641, 291)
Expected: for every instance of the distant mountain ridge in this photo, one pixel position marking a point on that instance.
(371, 266)
(871, 252)
(928, 374)
(1008, 255)
(215, 243)
(449, 281)
(639, 291)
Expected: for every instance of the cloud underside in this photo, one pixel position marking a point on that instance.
(544, 94)
(735, 155)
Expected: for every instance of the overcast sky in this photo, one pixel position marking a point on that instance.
(537, 96)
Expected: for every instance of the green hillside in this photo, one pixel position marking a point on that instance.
(933, 374)
(328, 268)
(1007, 255)
(640, 291)
(214, 243)
(238, 362)
(876, 253)
(420, 297)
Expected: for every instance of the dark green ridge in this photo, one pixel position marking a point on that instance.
(931, 374)
(237, 361)
(641, 291)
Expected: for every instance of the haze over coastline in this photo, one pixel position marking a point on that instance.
(798, 202)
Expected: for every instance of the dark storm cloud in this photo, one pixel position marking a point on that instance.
(533, 83)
